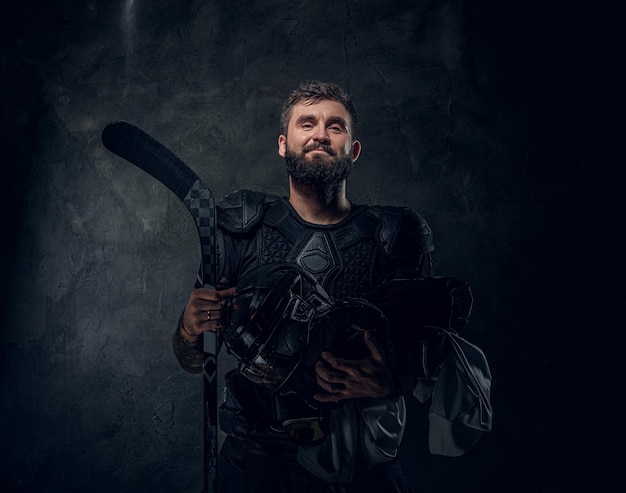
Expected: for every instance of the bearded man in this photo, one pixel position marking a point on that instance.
(320, 406)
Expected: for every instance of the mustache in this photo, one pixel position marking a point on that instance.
(324, 147)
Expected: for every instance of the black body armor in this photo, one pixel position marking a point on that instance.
(347, 259)
(374, 254)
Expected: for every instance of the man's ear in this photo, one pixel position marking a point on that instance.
(282, 145)
(356, 150)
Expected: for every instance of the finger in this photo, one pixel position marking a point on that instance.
(199, 311)
(227, 293)
(201, 307)
(328, 374)
(214, 326)
(210, 325)
(198, 327)
(208, 316)
(333, 360)
(333, 388)
(213, 316)
(208, 304)
(343, 365)
(205, 294)
(202, 319)
(211, 295)
(328, 397)
(334, 392)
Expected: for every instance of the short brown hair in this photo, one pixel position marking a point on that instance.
(312, 91)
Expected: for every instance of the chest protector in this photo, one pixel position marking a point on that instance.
(301, 290)
(347, 259)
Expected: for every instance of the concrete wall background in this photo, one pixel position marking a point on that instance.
(491, 120)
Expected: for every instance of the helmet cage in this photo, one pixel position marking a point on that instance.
(281, 320)
(270, 320)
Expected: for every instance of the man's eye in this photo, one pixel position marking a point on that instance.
(335, 129)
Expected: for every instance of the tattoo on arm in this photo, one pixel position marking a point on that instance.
(190, 355)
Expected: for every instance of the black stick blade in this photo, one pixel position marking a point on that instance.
(137, 147)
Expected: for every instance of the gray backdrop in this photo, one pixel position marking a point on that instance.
(489, 118)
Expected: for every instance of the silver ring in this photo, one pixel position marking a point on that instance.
(208, 314)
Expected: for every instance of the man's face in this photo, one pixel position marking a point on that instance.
(319, 151)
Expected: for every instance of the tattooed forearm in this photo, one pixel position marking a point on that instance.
(189, 354)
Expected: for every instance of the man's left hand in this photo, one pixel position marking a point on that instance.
(353, 378)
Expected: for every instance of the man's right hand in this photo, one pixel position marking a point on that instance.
(203, 312)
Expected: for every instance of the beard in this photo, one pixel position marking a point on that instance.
(322, 174)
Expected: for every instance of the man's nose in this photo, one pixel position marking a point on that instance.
(321, 133)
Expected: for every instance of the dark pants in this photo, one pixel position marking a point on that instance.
(270, 466)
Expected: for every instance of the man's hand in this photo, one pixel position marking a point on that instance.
(203, 312)
(350, 379)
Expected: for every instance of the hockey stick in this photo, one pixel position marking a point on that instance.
(138, 148)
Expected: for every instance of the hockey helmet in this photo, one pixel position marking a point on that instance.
(280, 321)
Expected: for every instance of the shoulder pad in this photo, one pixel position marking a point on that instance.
(403, 232)
(241, 211)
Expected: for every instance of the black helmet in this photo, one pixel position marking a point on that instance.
(279, 322)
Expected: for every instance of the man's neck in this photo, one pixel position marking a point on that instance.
(319, 210)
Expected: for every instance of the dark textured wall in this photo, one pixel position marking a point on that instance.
(490, 118)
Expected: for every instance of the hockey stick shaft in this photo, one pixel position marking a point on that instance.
(142, 150)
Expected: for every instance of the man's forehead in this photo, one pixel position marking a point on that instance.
(329, 107)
